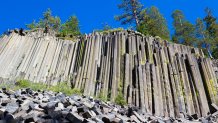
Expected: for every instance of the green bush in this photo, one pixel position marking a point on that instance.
(28, 84)
(38, 86)
(66, 89)
(109, 30)
(76, 91)
(60, 87)
(23, 83)
(102, 97)
(120, 99)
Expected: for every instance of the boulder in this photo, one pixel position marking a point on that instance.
(74, 117)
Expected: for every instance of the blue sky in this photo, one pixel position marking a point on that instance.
(93, 13)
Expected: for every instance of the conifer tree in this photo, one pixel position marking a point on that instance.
(178, 22)
(47, 21)
(202, 37)
(71, 27)
(32, 25)
(210, 21)
(153, 23)
(184, 31)
(200, 32)
(212, 31)
(131, 12)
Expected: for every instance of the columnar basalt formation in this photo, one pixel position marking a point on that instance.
(160, 77)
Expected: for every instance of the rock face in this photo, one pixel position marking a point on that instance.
(162, 78)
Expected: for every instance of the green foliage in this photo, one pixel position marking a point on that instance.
(23, 83)
(184, 30)
(120, 99)
(210, 21)
(188, 34)
(1, 36)
(28, 84)
(70, 28)
(60, 87)
(106, 27)
(131, 12)
(206, 31)
(215, 52)
(63, 87)
(153, 23)
(102, 97)
(38, 86)
(52, 22)
(32, 25)
(212, 32)
(109, 31)
(200, 32)
(178, 20)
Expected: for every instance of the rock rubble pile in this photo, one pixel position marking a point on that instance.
(26, 105)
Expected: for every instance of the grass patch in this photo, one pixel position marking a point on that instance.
(109, 30)
(64, 88)
(102, 97)
(60, 87)
(23, 83)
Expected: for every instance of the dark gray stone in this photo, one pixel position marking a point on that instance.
(74, 117)
(51, 104)
(87, 114)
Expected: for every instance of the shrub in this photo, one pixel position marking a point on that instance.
(66, 89)
(102, 97)
(120, 99)
(38, 86)
(61, 87)
(109, 30)
(28, 84)
(76, 91)
(23, 83)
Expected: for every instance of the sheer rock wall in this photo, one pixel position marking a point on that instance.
(161, 78)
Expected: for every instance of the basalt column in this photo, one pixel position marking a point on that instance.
(159, 77)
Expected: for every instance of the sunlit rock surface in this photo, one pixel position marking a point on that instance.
(160, 77)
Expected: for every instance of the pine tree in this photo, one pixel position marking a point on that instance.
(51, 21)
(212, 31)
(200, 32)
(214, 42)
(71, 27)
(210, 21)
(47, 17)
(178, 22)
(55, 23)
(106, 27)
(48, 21)
(153, 23)
(189, 34)
(131, 12)
(32, 25)
(184, 31)
(202, 37)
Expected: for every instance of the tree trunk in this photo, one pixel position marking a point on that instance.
(134, 11)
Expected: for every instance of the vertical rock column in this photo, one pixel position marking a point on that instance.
(203, 104)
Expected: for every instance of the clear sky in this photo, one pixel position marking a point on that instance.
(93, 13)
